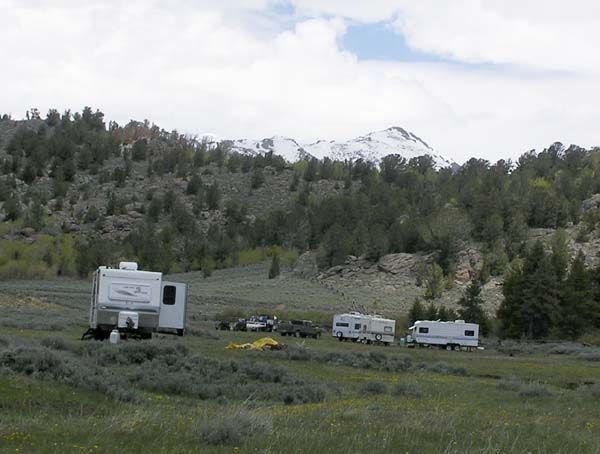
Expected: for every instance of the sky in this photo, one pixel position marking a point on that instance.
(473, 78)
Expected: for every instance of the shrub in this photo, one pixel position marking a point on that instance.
(509, 383)
(447, 369)
(44, 364)
(408, 389)
(54, 343)
(594, 356)
(374, 387)
(234, 428)
(534, 389)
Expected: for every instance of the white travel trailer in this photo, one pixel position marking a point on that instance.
(452, 335)
(363, 328)
(134, 301)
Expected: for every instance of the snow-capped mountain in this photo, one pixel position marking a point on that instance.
(370, 147)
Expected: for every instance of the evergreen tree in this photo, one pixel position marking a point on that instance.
(577, 307)
(416, 312)
(275, 265)
(443, 314)
(531, 297)
(139, 150)
(434, 282)
(431, 313)
(12, 207)
(257, 179)
(213, 197)
(207, 266)
(471, 307)
(194, 185)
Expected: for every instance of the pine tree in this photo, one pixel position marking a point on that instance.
(431, 313)
(274, 270)
(577, 306)
(531, 297)
(443, 313)
(213, 197)
(417, 312)
(471, 307)
(257, 179)
(434, 282)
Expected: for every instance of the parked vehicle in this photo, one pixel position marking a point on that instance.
(261, 323)
(240, 325)
(222, 325)
(365, 328)
(452, 335)
(299, 328)
(135, 302)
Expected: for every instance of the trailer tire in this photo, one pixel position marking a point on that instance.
(378, 337)
(340, 336)
(449, 347)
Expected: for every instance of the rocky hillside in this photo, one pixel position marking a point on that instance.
(75, 193)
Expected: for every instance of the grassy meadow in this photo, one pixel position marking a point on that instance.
(190, 394)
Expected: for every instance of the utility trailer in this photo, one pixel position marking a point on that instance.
(364, 328)
(451, 335)
(135, 302)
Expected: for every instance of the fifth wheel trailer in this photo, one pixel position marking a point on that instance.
(452, 335)
(134, 301)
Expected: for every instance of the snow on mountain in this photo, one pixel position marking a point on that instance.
(371, 147)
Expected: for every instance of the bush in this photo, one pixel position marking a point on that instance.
(54, 343)
(44, 364)
(509, 383)
(534, 389)
(234, 427)
(374, 387)
(447, 369)
(593, 356)
(408, 389)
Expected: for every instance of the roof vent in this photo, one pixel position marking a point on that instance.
(130, 266)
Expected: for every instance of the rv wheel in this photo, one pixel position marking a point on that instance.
(449, 347)
(340, 336)
(377, 337)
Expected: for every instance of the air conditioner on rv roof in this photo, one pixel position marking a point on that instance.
(131, 266)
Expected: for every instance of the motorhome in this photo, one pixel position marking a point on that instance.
(452, 335)
(365, 328)
(134, 301)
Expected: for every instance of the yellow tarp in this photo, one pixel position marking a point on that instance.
(264, 343)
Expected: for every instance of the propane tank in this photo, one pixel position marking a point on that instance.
(115, 336)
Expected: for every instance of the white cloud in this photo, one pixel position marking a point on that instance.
(238, 72)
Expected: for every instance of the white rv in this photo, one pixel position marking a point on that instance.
(452, 335)
(363, 328)
(134, 301)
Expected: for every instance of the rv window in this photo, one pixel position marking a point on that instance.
(342, 324)
(357, 326)
(387, 329)
(169, 295)
(423, 330)
(469, 333)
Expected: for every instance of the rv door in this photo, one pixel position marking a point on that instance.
(172, 307)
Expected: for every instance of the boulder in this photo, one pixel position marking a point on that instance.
(28, 232)
(593, 203)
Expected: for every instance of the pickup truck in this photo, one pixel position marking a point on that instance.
(299, 328)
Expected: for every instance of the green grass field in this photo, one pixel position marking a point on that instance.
(60, 394)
